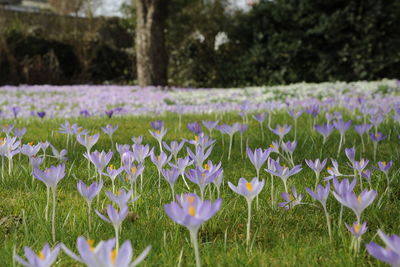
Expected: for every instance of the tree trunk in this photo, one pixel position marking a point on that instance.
(151, 56)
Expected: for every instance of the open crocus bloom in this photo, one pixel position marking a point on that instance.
(44, 258)
(190, 211)
(248, 189)
(104, 254)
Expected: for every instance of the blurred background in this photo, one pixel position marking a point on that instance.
(198, 43)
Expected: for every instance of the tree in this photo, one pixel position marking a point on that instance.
(151, 54)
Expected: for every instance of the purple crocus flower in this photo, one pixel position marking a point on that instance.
(248, 189)
(88, 141)
(174, 147)
(357, 229)
(35, 162)
(258, 158)
(356, 203)
(51, 176)
(30, 150)
(201, 177)
(317, 166)
(15, 111)
(41, 114)
(210, 125)
(284, 172)
(109, 129)
(89, 192)
(45, 258)
(84, 113)
(182, 164)
(201, 140)
(344, 186)
(109, 113)
(19, 132)
(342, 126)
(190, 211)
(141, 152)
(7, 129)
(362, 128)
(99, 159)
(313, 110)
(157, 125)
(104, 254)
(122, 198)
(321, 194)
(281, 131)
(377, 137)
(385, 166)
(295, 114)
(171, 176)
(367, 175)
(325, 130)
(360, 165)
(160, 160)
(115, 217)
(194, 127)
(137, 140)
(333, 170)
(289, 146)
(260, 117)
(390, 254)
(59, 155)
(200, 155)
(350, 154)
(290, 200)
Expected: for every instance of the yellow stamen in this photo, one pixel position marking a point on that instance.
(41, 255)
(206, 167)
(158, 132)
(2, 141)
(191, 211)
(357, 227)
(111, 167)
(190, 200)
(113, 256)
(196, 139)
(249, 187)
(329, 168)
(30, 143)
(359, 199)
(90, 242)
(280, 129)
(119, 192)
(384, 163)
(377, 135)
(134, 170)
(271, 146)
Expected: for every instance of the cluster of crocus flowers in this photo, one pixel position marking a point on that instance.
(249, 190)
(190, 211)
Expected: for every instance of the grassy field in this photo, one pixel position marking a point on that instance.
(297, 237)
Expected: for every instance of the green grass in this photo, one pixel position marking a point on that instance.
(296, 237)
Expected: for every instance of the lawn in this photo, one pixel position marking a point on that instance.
(279, 237)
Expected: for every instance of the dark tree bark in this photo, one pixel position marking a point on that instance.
(151, 56)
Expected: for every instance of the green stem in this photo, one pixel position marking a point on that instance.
(53, 218)
(328, 222)
(193, 237)
(248, 223)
